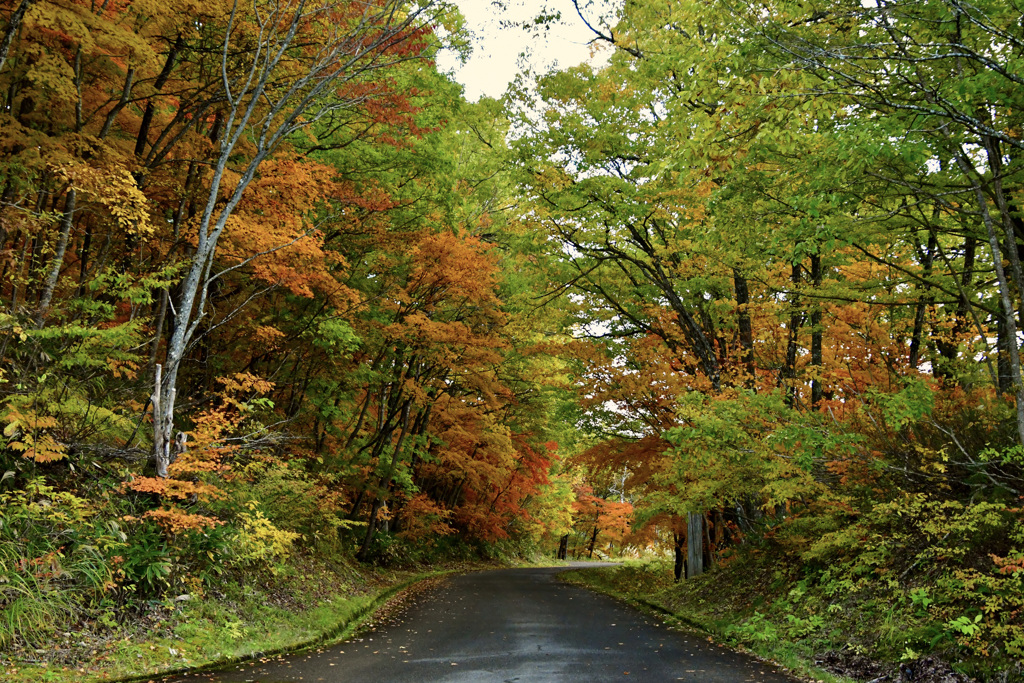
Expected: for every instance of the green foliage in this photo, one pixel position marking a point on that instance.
(756, 629)
(335, 335)
(909, 405)
(293, 500)
(145, 565)
(56, 559)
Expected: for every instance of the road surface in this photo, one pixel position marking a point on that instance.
(511, 625)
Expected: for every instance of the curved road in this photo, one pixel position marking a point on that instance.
(521, 625)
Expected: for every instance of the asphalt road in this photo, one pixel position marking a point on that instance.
(521, 625)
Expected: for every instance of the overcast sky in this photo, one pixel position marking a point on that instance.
(496, 50)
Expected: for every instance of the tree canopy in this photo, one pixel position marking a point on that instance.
(272, 285)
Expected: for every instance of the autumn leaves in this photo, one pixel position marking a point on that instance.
(282, 214)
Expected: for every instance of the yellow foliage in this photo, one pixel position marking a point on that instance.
(258, 540)
(26, 434)
(117, 191)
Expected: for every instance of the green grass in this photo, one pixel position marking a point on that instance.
(790, 614)
(722, 605)
(240, 623)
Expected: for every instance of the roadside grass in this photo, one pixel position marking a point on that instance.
(796, 616)
(718, 604)
(300, 605)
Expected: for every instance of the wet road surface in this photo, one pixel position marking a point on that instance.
(511, 625)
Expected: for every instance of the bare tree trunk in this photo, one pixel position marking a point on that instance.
(126, 93)
(949, 349)
(709, 546)
(371, 524)
(161, 426)
(12, 30)
(58, 257)
(1006, 295)
(817, 359)
(161, 80)
(158, 327)
(679, 569)
(694, 544)
(593, 537)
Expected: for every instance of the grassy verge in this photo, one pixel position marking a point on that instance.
(819, 629)
(306, 603)
(720, 604)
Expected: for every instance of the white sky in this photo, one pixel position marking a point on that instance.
(496, 51)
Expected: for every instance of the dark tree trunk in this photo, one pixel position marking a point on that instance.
(708, 555)
(680, 564)
(746, 330)
(817, 360)
(949, 348)
(147, 117)
(385, 484)
(796, 319)
(12, 29)
(927, 257)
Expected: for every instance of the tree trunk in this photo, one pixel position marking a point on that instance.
(817, 359)
(694, 544)
(593, 539)
(719, 539)
(147, 117)
(949, 348)
(1003, 368)
(1006, 294)
(158, 327)
(58, 257)
(680, 563)
(12, 30)
(795, 322)
(746, 330)
(161, 425)
(708, 554)
(927, 257)
(126, 93)
(371, 523)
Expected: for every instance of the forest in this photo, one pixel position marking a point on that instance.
(273, 292)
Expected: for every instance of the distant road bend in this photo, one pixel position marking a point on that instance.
(512, 625)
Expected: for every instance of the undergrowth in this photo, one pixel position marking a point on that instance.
(795, 613)
(305, 602)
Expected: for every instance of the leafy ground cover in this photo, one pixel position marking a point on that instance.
(778, 611)
(306, 602)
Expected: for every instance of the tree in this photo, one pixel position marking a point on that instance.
(306, 61)
(943, 75)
